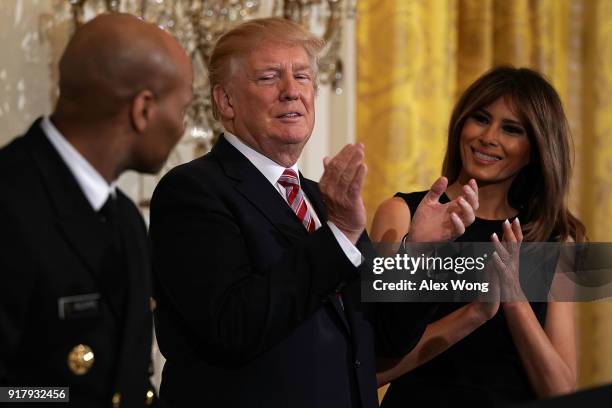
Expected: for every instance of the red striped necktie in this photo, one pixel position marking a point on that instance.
(295, 198)
(291, 182)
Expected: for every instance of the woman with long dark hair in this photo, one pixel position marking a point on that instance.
(508, 131)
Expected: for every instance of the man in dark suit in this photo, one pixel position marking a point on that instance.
(74, 260)
(258, 267)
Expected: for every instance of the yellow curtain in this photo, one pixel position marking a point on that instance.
(416, 56)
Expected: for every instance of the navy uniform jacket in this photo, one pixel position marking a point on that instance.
(57, 286)
(248, 312)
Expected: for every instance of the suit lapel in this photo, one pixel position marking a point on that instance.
(138, 280)
(258, 190)
(311, 189)
(76, 219)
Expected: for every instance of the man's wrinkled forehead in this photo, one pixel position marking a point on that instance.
(274, 56)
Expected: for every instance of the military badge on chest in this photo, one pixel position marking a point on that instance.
(80, 359)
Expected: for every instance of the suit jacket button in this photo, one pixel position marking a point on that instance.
(357, 363)
(116, 400)
(150, 397)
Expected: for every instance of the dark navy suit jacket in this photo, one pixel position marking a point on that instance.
(248, 311)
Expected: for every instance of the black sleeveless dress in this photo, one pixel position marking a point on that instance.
(482, 370)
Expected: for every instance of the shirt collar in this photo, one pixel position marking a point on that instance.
(268, 167)
(92, 184)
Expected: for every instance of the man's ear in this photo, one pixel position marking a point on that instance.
(224, 102)
(142, 110)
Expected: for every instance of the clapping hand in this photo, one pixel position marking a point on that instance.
(436, 222)
(506, 260)
(341, 186)
(486, 305)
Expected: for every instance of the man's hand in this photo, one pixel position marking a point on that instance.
(341, 186)
(435, 222)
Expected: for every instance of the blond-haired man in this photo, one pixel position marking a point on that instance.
(257, 266)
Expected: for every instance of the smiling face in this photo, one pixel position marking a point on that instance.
(269, 102)
(494, 146)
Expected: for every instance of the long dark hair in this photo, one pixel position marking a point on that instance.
(541, 188)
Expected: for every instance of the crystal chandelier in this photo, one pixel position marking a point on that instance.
(198, 23)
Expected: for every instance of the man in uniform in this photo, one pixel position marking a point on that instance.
(74, 264)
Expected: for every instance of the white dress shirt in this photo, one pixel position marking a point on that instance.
(272, 172)
(92, 184)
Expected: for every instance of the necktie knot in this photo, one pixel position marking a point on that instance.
(291, 182)
(289, 179)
